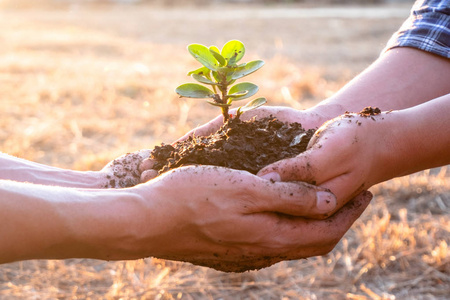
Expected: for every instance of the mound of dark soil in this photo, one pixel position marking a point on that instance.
(242, 145)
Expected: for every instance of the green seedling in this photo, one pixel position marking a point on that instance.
(220, 71)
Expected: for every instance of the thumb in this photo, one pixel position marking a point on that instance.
(292, 198)
(299, 168)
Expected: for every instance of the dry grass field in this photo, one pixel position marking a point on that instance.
(81, 85)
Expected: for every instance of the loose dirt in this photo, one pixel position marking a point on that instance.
(242, 145)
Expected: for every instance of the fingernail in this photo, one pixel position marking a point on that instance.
(272, 176)
(325, 201)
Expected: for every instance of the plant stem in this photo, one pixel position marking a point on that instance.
(223, 87)
(226, 115)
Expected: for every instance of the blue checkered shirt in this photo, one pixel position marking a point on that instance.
(427, 28)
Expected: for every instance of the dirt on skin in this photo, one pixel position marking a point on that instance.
(243, 263)
(124, 171)
(370, 111)
(242, 145)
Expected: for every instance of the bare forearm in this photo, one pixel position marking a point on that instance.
(400, 78)
(44, 222)
(13, 168)
(417, 138)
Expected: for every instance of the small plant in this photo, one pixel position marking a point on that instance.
(221, 70)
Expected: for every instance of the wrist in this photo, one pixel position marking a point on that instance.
(111, 224)
(385, 133)
(82, 179)
(70, 178)
(399, 150)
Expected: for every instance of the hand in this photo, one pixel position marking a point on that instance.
(217, 217)
(124, 171)
(233, 221)
(342, 156)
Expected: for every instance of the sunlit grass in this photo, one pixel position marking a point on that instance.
(76, 93)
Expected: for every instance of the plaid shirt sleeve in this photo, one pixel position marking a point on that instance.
(427, 28)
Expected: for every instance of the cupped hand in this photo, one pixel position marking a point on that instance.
(343, 156)
(234, 221)
(124, 171)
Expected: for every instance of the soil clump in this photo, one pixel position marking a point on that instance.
(242, 145)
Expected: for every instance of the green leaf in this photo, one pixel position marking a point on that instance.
(194, 90)
(233, 51)
(204, 56)
(214, 48)
(216, 53)
(251, 105)
(247, 69)
(216, 76)
(238, 95)
(249, 87)
(231, 82)
(204, 71)
(203, 79)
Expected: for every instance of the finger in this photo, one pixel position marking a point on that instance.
(313, 140)
(146, 164)
(148, 175)
(344, 218)
(292, 198)
(344, 187)
(299, 168)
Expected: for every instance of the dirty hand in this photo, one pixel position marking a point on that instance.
(124, 171)
(234, 221)
(342, 156)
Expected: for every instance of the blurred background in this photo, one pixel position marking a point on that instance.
(82, 82)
